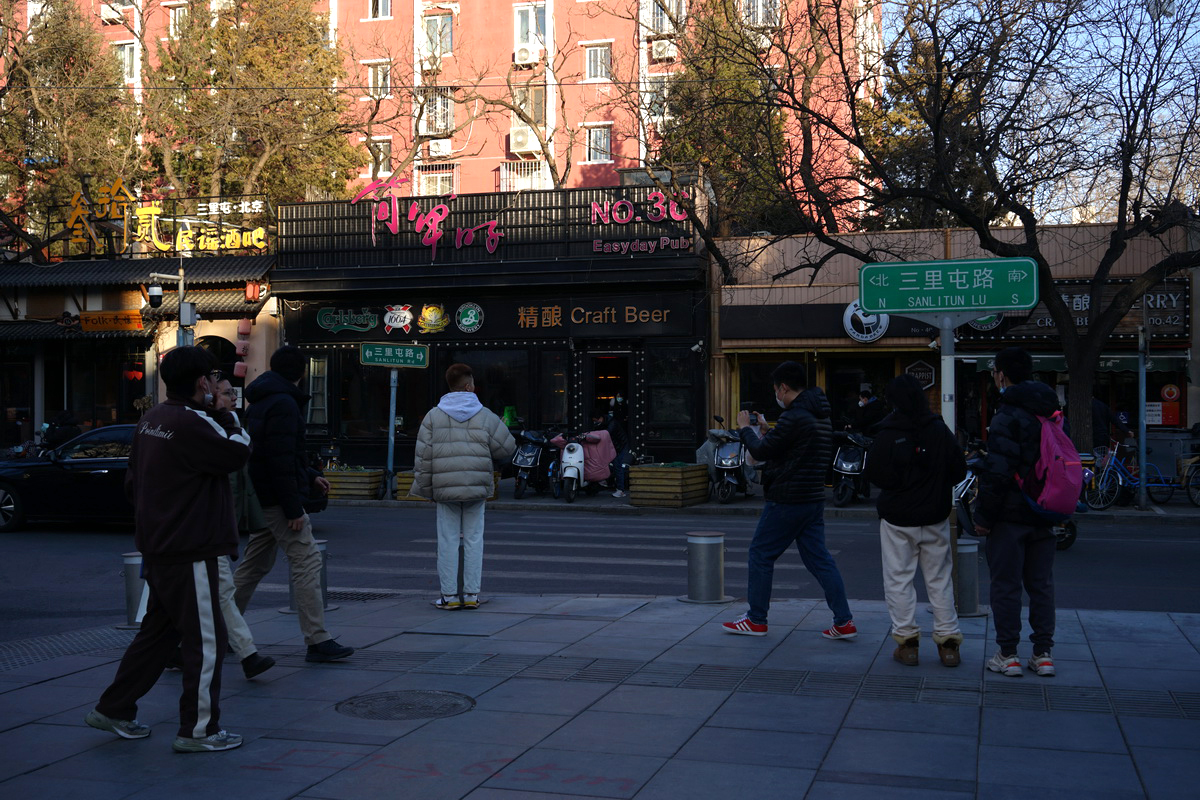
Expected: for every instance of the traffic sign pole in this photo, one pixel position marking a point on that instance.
(389, 476)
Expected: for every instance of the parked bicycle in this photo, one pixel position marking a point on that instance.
(1116, 473)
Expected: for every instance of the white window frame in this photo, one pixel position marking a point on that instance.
(126, 55)
(379, 79)
(433, 45)
(437, 107)
(761, 14)
(371, 145)
(522, 97)
(656, 85)
(595, 127)
(537, 14)
(439, 171)
(378, 9)
(177, 14)
(658, 20)
(596, 48)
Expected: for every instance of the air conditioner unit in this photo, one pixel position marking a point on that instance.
(526, 56)
(761, 41)
(440, 148)
(110, 15)
(523, 140)
(431, 63)
(663, 50)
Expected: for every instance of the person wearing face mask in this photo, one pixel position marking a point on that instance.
(797, 451)
(178, 482)
(870, 413)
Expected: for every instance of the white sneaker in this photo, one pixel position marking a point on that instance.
(1006, 665)
(618, 493)
(1043, 665)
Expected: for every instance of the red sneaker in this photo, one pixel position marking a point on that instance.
(847, 631)
(745, 627)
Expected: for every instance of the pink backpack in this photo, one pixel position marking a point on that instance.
(1053, 486)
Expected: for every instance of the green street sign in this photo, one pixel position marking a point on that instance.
(376, 354)
(919, 287)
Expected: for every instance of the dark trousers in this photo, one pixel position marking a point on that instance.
(1021, 556)
(183, 609)
(780, 525)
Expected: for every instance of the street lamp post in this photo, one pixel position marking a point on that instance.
(187, 311)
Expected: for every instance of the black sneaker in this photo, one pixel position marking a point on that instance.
(256, 664)
(175, 661)
(328, 650)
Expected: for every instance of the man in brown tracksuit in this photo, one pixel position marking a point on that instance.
(178, 481)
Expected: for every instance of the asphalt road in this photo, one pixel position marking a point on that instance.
(55, 579)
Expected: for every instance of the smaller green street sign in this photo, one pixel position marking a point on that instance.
(919, 287)
(383, 354)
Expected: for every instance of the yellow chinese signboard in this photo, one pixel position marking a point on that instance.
(111, 218)
(111, 320)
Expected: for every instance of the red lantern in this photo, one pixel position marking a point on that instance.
(244, 327)
(253, 291)
(239, 369)
(241, 347)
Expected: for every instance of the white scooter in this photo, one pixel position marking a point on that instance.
(570, 466)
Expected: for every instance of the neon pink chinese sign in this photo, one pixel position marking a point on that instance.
(427, 223)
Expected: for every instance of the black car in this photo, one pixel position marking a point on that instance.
(82, 479)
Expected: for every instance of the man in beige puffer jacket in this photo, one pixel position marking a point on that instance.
(458, 442)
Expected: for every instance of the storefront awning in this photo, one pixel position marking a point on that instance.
(135, 271)
(36, 330)
(1108, 363)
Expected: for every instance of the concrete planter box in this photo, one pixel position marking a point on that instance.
(404, 484)
(668, 486)
(355, 484)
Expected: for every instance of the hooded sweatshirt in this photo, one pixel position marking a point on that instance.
(278, 467)
(1014, 445)
(916, 462)
(457, 444)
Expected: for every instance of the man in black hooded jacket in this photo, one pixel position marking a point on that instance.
(916, 461)
(1020, 545)
(282, 480)
(797, 451)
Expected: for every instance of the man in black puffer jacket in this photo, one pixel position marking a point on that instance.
(1020, 545)
(797, 451)
(282, 480)
(916, 461)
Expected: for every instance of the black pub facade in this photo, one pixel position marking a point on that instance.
(561, 301)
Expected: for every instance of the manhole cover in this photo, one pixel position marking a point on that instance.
(413, 704)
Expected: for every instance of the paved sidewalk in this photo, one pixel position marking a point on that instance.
(627, 697)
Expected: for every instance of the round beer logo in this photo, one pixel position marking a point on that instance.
(1169, 393)
(862, 326)
(987, 323)
(469, 317)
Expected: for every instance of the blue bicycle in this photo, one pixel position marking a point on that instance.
(1113, 476)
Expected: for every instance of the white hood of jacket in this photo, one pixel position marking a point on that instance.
(460, 406)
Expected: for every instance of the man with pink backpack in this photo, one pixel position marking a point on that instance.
(1020, 481)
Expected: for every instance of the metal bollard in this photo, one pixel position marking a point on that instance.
(966, 589)
(291, 608)
(706, 568)
(135, 591)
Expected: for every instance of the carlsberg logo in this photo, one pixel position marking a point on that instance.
(334, 320)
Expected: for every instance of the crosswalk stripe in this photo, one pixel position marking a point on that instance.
(593, 578)
(643, 562)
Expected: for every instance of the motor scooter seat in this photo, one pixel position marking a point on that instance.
(534, 437)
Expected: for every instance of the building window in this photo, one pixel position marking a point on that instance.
(531, 101)
(520, 176)
(655, 98)
(176, 20)
(437, 179)
(435, 111)
(126, 60)
(439, 35)
(599, 143)
(599, 62)
(530, 25)
(318, 391)
(381, 157)
(760, 13)
(380, 80)
(380, 9)
(665, 17)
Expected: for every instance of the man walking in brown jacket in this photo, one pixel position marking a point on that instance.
(178, 481)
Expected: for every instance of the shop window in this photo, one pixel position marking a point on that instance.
(671, 394)
(318, 390)
(501, 380)
(555, 370)
(363, 395)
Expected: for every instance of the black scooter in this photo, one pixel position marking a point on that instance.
(849, 468)
(533, 460)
